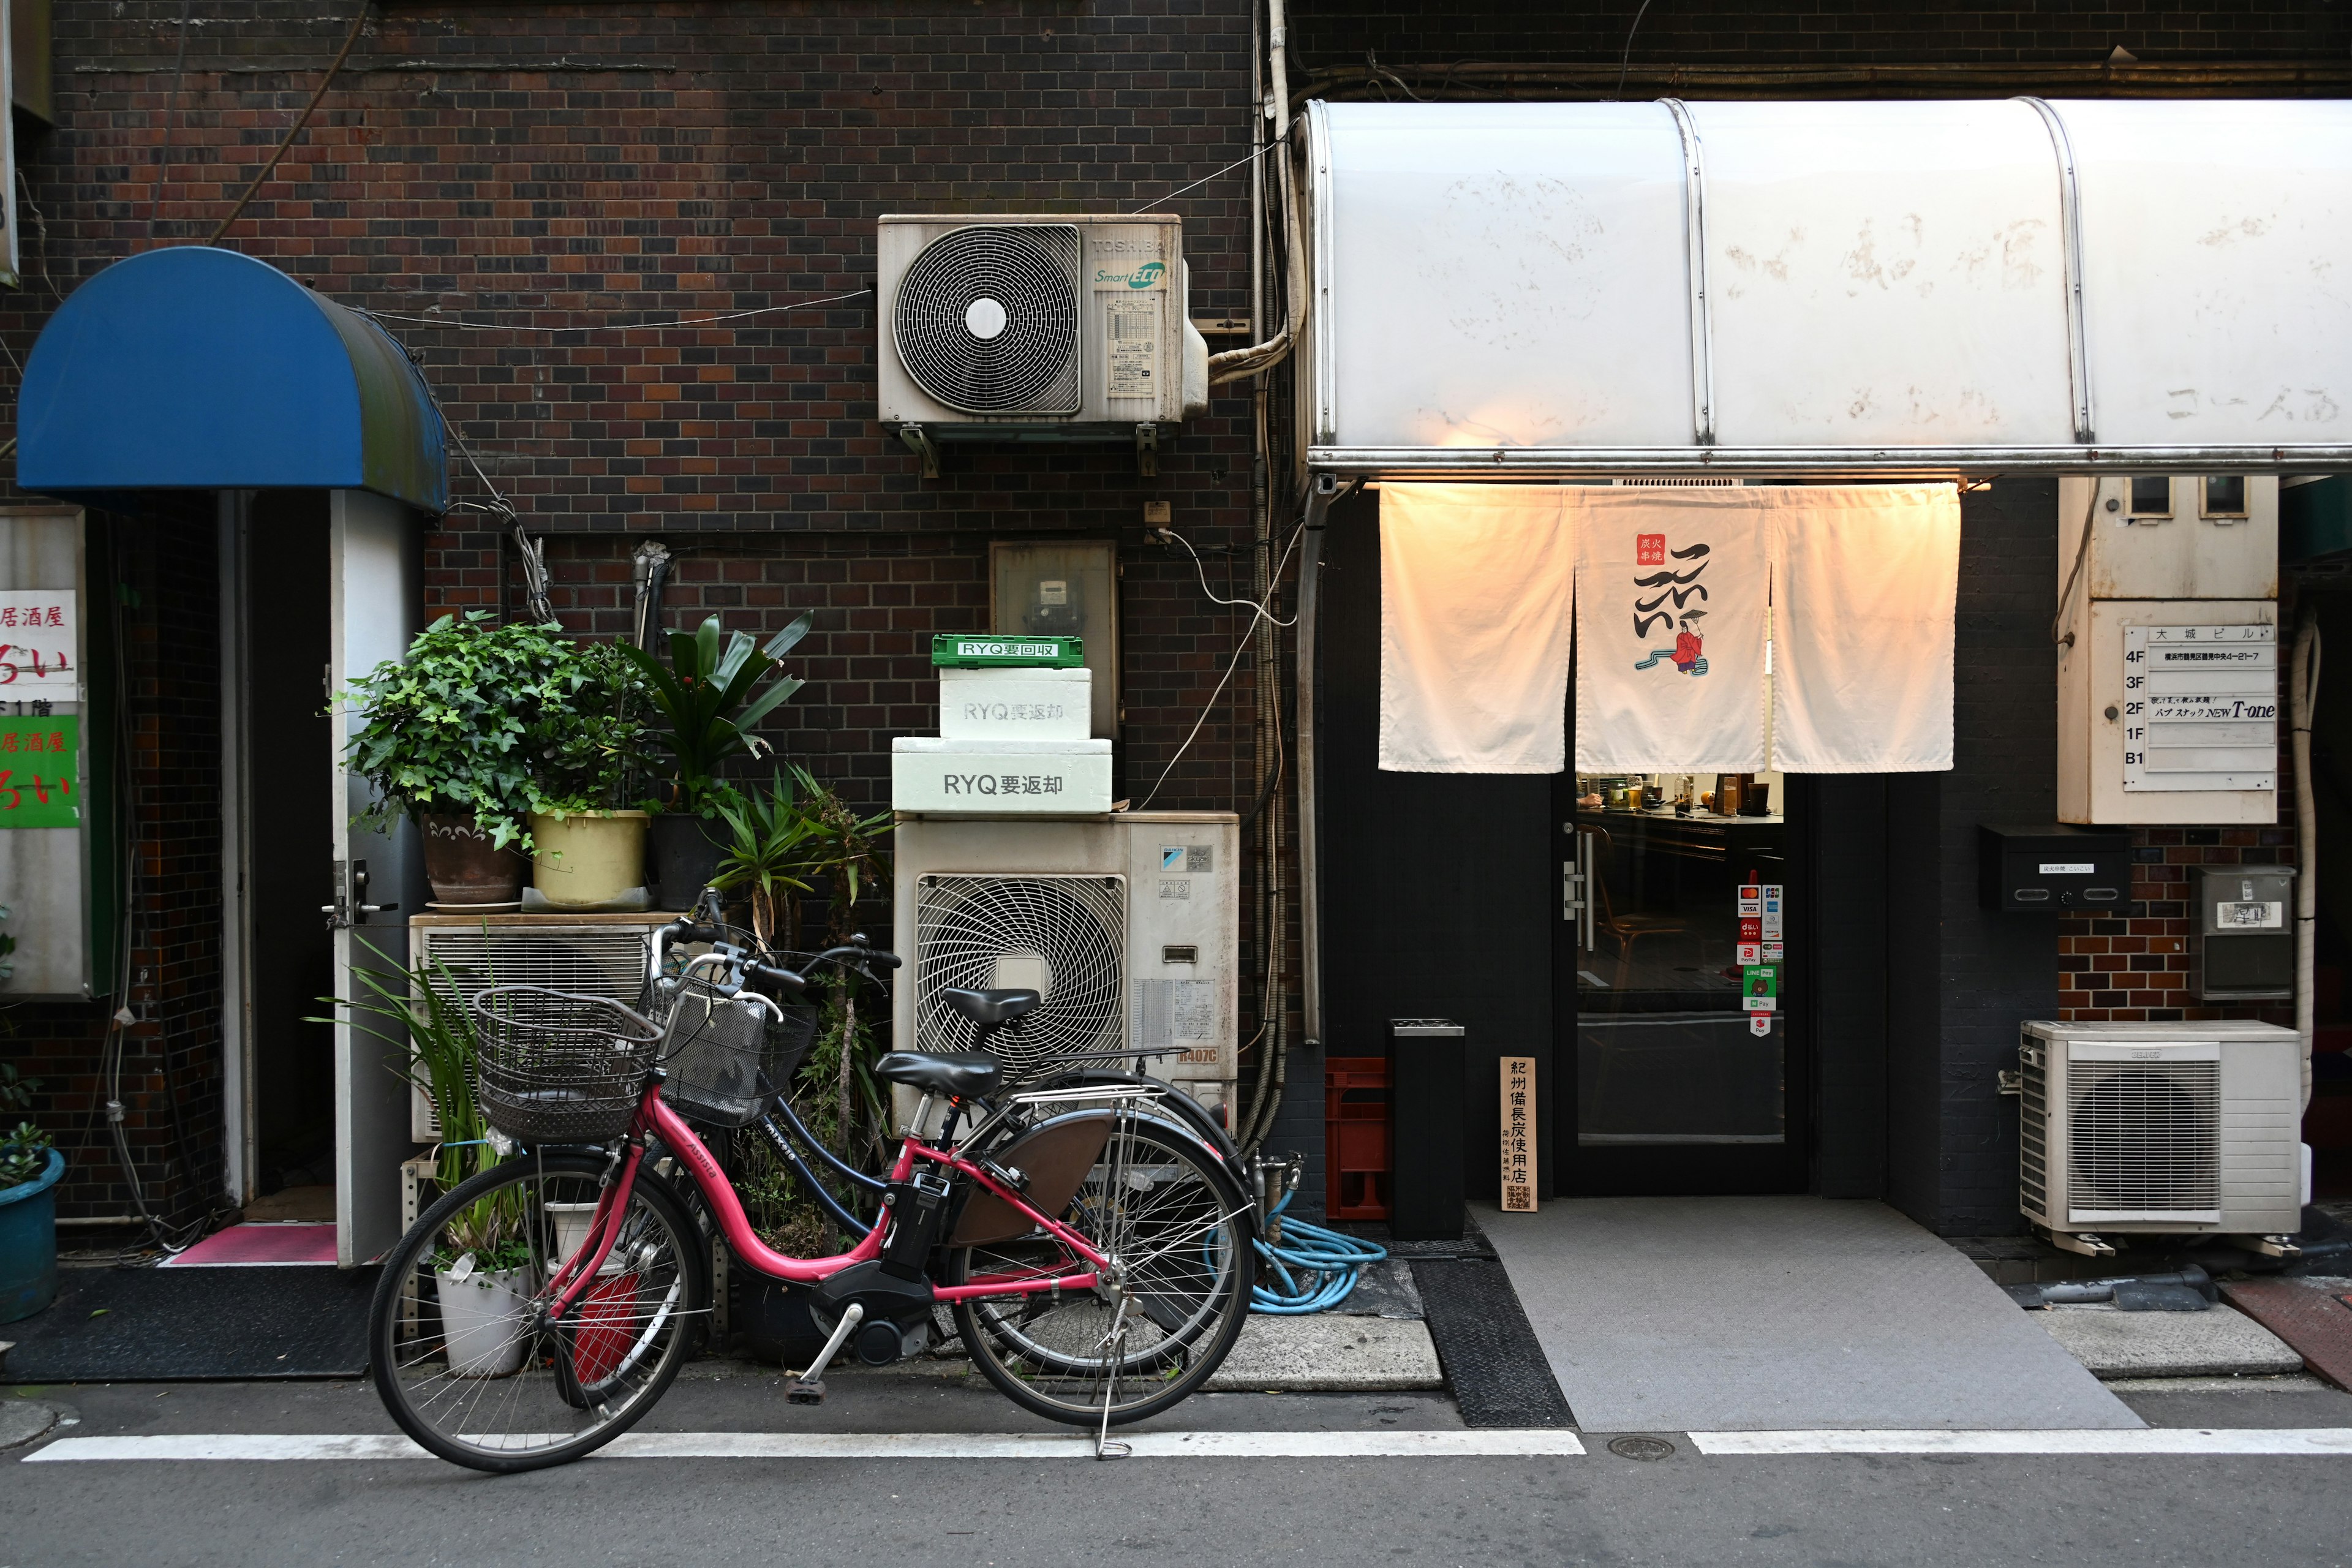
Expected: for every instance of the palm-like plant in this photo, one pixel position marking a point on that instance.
(711, 695)
(764, 852)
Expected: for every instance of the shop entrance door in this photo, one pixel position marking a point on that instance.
(1682, 1071)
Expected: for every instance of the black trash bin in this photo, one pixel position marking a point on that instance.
(1426, 1068)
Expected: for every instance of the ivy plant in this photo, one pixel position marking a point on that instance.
(493, 722)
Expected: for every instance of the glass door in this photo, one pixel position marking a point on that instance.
(1674, 944)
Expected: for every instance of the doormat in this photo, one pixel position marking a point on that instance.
(252, 1246)
(2314, 1318)
(1491, 1359)
(172, 1325)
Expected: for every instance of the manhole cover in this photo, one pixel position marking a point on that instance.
(1641, 1447)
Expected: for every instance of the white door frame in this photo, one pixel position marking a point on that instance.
(240, 1132)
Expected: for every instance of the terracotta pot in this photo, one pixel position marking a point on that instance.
(462, 866)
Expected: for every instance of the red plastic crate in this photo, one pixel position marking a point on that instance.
(1356, 1136)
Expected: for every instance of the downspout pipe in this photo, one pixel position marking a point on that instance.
(2303, 692)
(1325, 491)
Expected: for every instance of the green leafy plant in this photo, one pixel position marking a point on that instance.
(587, 739)
(487, 721)
(25, 1151)
(763, 851)
(843, 846)
(420, 1012)
(710, 697)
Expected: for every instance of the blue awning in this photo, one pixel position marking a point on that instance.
(191, 368)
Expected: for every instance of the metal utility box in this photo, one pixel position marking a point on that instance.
(2169, 657)
(2052, 866)
(2245, 933)
(1427, 1062)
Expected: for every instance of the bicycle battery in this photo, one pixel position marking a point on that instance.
(918, 1208)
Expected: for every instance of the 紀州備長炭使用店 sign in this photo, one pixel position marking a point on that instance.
(40, 771)
(1519, 1134)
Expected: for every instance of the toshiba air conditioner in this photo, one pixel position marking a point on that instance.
(1036, 327)
(2173, 1129)
(1127, 925)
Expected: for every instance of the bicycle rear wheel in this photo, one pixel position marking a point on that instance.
(458, 1343)
(1177, 1229)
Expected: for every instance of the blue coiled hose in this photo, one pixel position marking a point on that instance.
(1316, 1268)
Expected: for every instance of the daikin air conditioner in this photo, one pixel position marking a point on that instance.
(1036, 327)
(1129, 926)
(2161, 1128)
(603, 955)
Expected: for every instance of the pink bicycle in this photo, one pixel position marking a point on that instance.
(1095, 1252)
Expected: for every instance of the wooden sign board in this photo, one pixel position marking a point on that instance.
(1519, 1134)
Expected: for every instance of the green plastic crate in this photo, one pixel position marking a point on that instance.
(977, 650)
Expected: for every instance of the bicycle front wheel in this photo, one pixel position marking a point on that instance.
(1177, 1229)
(459, 1343)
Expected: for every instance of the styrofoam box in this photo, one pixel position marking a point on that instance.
(1016, 704)
(1002, 778)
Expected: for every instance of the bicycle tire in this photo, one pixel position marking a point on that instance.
(396, 1299)
(1179, 1366)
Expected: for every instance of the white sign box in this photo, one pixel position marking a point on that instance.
(1016, 704)
(1000, 778)
(39, 644)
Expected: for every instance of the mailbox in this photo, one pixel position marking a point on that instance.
(2043, 868)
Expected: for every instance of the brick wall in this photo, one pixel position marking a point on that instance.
(2136, 967)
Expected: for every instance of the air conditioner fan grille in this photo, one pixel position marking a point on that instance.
(1018, 285)
(1064, 935)
(2144, 1137)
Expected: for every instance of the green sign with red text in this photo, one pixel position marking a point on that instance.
(40, 771)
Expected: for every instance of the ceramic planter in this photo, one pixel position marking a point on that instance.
(685, 858)
(463, 866)
(588, 859)
(481, 1321)
(28, 1243)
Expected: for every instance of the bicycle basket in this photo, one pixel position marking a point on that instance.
(725, 1057)
(558, 1066)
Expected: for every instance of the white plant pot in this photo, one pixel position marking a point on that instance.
(571, 1222)
(481, 1319)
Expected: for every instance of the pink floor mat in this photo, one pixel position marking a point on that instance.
(251, 1245)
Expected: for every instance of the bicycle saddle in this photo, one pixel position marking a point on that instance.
(992, 1007)
(962, 1074)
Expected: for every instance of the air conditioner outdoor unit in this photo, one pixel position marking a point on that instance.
(2175, 1128)
(1036, 327)
(604, 955)
(1129, 925)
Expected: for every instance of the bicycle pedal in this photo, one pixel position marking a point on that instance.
(805, 1391)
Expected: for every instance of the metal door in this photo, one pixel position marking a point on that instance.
(377, 881)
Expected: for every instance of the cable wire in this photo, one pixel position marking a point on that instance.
(1272, 585)
(295, 129)
(452, 322)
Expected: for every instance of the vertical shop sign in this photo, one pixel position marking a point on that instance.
(40, 771)
(37, 640)
(1519, 1134)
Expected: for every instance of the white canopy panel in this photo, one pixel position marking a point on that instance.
(1864, 288)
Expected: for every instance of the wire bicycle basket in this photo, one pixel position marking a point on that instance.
(559, 1066)
(727, 1054)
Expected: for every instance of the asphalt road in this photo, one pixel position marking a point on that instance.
(1687, 1507)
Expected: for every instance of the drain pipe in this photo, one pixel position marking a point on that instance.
(2302, 691)
(1325, 491)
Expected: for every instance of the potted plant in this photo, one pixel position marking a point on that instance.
(30, 1167)
(710, 696)
(443, 735)
(482, 1276)
(586, 740)
(764, 852)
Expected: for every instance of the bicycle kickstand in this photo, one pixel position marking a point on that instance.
(809, 1388)
(1105, 1446)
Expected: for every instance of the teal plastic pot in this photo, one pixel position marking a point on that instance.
(28, 1243)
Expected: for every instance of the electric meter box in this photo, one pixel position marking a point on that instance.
(2038, 870)
(2168, 658)
(2245, 933)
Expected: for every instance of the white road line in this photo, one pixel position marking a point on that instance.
(1383, 1445)
(2318, 1440)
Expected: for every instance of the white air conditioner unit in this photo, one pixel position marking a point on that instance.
(1036, 327)
(603, 955)
(2171, 1127)
(1127, 924)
